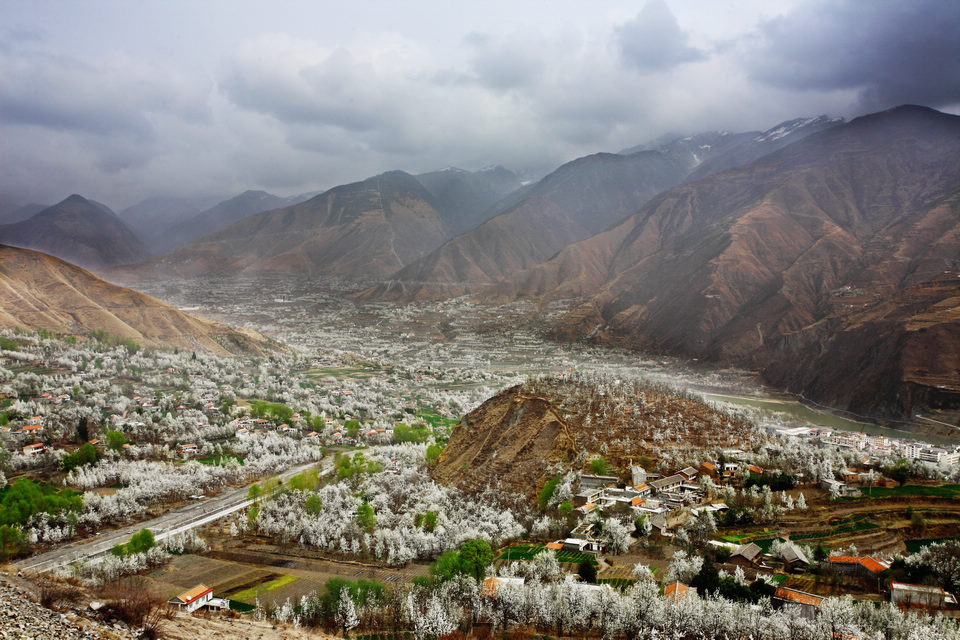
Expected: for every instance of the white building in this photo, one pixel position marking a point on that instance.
(193, 599)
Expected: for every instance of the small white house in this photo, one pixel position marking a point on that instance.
(193, 599)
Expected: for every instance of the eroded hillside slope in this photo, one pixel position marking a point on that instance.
(524, 434)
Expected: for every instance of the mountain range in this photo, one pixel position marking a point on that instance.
(365, 229)
(79, 231)
(831, 266)
(578, 200)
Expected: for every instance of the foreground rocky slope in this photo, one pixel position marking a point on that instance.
(38, 291)
(830, 265)
(525, 434)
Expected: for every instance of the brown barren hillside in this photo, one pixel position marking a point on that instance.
(523, 435)
(813, 265)
(38, 291)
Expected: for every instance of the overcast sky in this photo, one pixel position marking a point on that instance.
(122, 100)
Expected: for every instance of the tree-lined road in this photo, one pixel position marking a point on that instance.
(170, 523)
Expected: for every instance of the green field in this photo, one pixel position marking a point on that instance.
(910, 491)
(242, 607)
(848, 525)
(741, 538)
(914, 546)
(619, 583)
(576, 557)
(260, 589)
(779, 578)
(521, 551)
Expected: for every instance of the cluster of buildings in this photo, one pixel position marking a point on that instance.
(879, 446)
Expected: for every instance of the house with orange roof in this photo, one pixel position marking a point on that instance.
(864, 566)
(676, 591)
(808, 602)
(34, 449)
(192, 599)
(492, 584)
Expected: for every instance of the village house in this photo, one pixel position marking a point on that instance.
(676, 591)
(34, 449)
(32, 429)
(197, 597)
(864, 567)
(187, 450)
(688, 473)
(747, 555)
(808, 602)
(667, 484)
(493, 583)
(919, 595)
(837, 488)
(793, 557)
(591, 482)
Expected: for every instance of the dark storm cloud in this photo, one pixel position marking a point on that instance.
(891, 52)
(653, 40)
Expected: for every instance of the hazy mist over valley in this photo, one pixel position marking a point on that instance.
(474, 320)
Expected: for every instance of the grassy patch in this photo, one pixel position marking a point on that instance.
(619, 583)
(765, 543)
(741, 538)
(266, 587)
(914, 546)
(242, 607)
(778, 579)
(911, 491)
(576, 557)
(523, 551)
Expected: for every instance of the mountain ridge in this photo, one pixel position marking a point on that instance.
(39, 291)
(80, 231)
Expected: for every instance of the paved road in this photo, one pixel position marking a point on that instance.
(170, 523)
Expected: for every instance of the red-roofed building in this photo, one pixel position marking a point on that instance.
(675, 591)
(807, 602)
(192, 599)
(865, 566)
(34, 449)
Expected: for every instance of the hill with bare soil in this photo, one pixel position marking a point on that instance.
(38, 291)
(525, 434)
